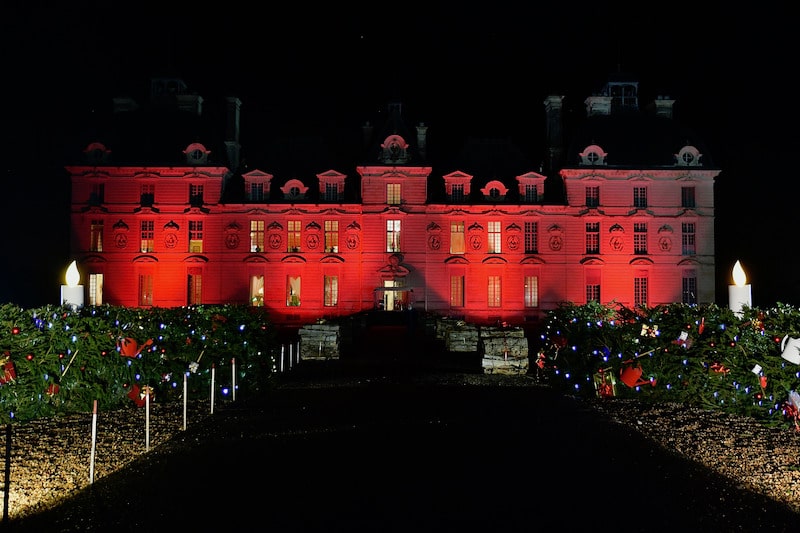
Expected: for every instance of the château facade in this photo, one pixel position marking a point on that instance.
(632, 220)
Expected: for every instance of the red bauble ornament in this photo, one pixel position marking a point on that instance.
(29, 357)
(61, 356)
(15, 330)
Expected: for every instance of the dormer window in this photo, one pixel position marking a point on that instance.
(294, 190)
(495, 191)
(593, 155)
(196, 154)
(688, 156)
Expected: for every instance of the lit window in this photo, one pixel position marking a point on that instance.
(457, 241)
(96, 236)
(195, 287)
(293, 235)
(494, 299)
(392, 235)
(494, 237)
(196, 236)
(257, 290)
(95, 289)
(147, 233)
(145, 290)
(531, 291)
(293, 291)
(456, 291)
(256, 235)
(331, 291)
(332, 236)
(640, 290)
(393, 193)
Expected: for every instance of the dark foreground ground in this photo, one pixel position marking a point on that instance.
(342, 448)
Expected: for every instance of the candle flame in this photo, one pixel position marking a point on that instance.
(73, 276)
(739, 277)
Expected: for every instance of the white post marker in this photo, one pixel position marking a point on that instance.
(94, 442)
(213, 371)
(184, 400)
(283, 348)
(233, 378)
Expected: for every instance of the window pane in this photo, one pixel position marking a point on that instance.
(456, 291)
(293, 291)
(331, 296)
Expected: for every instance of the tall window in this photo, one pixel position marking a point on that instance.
(147, 236)
(147, 194)
(257, 290)
(640, 197)
(96, 236)
(688, 245)
(592, 286)
(331, 192)
(531, 193)
(145, 289)
(640, 238)
(592, 237)
(256, 235)
(687, 197)
(293, 236)
(640, 289)
(494, 299)
(330, 297)
(256, 192)
(593, 196)
(494, 237)
(95, 289)
(689, 288)
(531, 237)
(457, 193)
(392, 235)
(456, 291)
(457, 237)
(195, 195)
(194, 287)
(97, 196)
(196, 236)
(292, 291)
(393, 193)
(531, 290)
(332, 236)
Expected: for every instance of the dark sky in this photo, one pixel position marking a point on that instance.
(483, 68)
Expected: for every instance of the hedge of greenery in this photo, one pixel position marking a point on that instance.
(55, 360)
(704, 356)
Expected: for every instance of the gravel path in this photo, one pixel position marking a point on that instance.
(50, 459)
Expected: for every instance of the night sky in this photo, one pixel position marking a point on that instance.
(482, 71)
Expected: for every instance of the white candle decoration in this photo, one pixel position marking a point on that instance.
(72, 292)
(739, 294)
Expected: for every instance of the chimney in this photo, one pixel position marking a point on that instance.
(598, 105)
(663, 106)
(555, 135)
(232, 131)
(422, 137)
